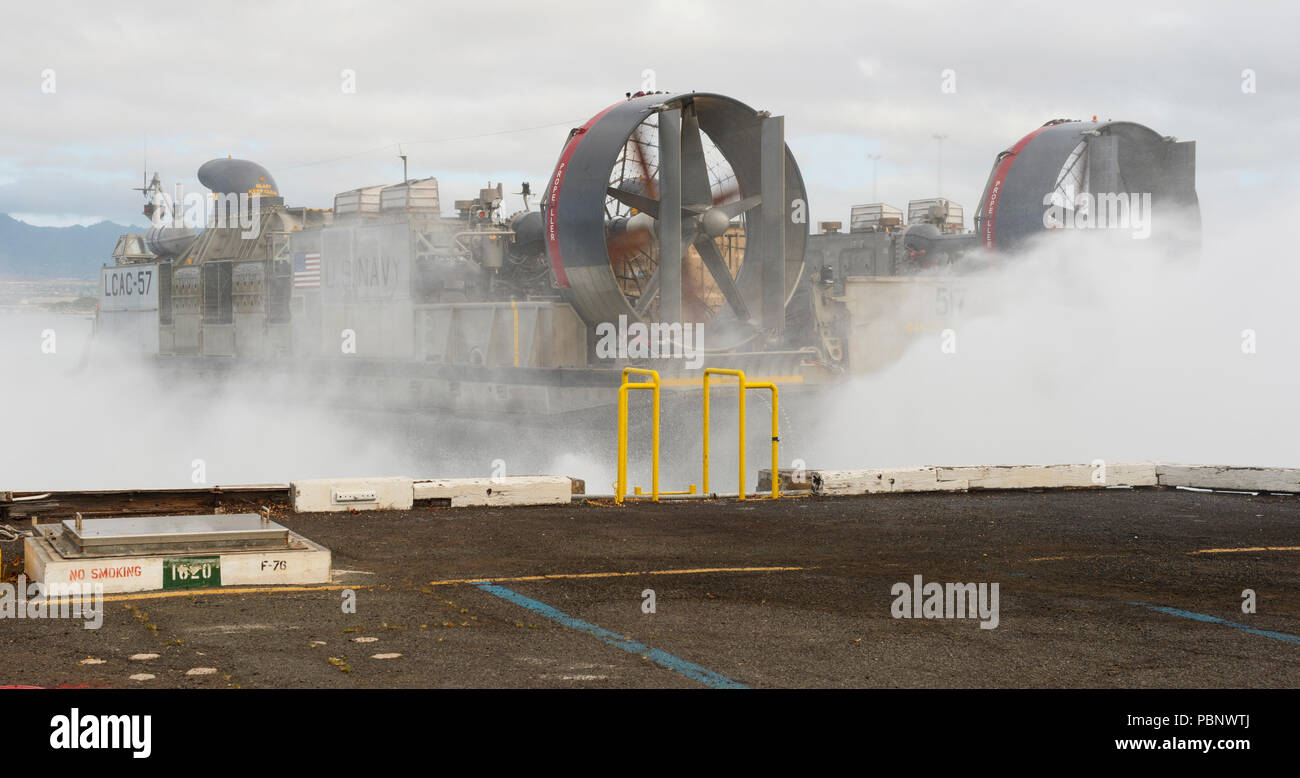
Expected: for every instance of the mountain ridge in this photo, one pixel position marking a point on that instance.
(29, 252)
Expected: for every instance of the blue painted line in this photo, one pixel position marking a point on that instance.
(661, 658)
(1215, 620)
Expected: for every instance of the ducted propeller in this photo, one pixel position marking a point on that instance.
(693, 231)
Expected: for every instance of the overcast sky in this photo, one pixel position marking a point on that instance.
(184, 83)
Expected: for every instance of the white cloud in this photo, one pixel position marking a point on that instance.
(56, 219)
(263, 81)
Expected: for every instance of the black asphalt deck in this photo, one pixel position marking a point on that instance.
(1069, 564)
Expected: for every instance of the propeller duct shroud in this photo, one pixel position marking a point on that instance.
(606, 215)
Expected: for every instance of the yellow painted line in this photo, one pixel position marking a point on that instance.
(1079, 558)
(560, 576)
(1240, 550)
(225, 590)
(1201, 551)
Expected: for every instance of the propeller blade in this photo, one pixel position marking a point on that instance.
(722, 277)
(634, 200)
(732, 210)
(695, 170)
(725, 194)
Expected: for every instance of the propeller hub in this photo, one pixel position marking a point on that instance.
(714, 222)
(641, 221)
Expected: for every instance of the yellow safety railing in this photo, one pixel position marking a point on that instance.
(654, 385)
(743, 385)
(620, 488)
(776, 439)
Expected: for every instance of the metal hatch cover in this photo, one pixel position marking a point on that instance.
(151, 534)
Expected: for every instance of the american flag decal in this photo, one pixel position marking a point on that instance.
(306, 270)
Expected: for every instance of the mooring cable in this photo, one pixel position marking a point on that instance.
(10, 535)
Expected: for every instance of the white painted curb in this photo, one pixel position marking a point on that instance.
(961, 479)
(342, 494)
(510, 490)
(372, 494)
(1242, 479)
(909, 479)
(1052, 476)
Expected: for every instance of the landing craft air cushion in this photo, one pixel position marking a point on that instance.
(665, 213)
